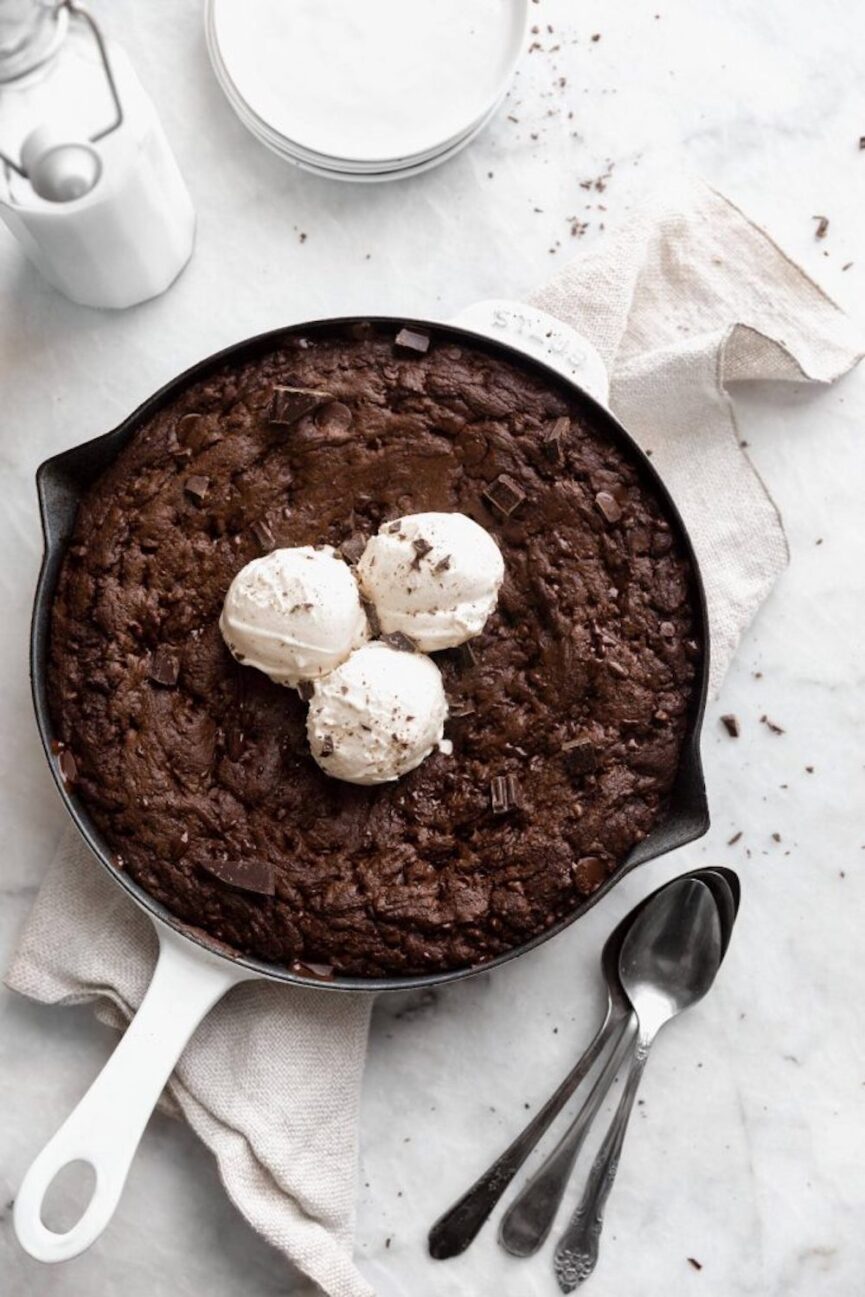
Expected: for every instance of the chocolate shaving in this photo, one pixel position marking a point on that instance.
(372, 618)
(164, 667)
(412, 340)
(731, 725)
(468, 655)
(397, 640)
(822, 226)
(442, 565)
(289, 404)
(328, 747)
(554, 440)
(421, 548)
(68, 766)
(609, 506)
(581, 756)
(246, 875)
(504, 496)
(617, 669)
(197, 486)
(505, 794)
(461, 708)
(305, 690)
(775, 728)
(731, 842)
(264, 536)
(692, 1261)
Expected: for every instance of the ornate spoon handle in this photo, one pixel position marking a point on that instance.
(528, 1220)
(454, 1231)
(577, 1253)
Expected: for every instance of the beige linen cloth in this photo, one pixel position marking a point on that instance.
(679, 304)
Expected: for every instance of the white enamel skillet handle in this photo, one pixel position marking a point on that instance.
(538, 334)
(105, 1128)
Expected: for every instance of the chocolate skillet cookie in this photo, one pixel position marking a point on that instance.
(567, 713)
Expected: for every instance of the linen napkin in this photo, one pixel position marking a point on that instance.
(679, 303)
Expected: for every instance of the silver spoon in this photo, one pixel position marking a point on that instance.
(528, 1220)
(454, 1231)
(668, 961)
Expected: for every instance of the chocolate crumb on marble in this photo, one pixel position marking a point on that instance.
(418, 874)
(731, 725)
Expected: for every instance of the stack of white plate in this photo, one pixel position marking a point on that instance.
(365, 90)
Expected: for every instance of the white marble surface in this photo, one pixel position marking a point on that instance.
(748, 1152)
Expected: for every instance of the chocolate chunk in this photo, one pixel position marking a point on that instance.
(731, 725)
(609, 506)
(197, 486)
(590, 872)
(164, 667)
(505, 794)
(581, 756)
(328, 747)
(372, 618)
(288, 404)
(353, 548)
(187, 428)
(264, 536)
(334, 417)
(305, 690)
(397, 640)
(68, 766)
(442, 565)
(554, 441)
(412, 340)
(504, 496)
(460, 708)
(246, 875)
(822, 226)
(775, 728)
(312, 970)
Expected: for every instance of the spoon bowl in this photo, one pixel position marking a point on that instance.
(671, 953)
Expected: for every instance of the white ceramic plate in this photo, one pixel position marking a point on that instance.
(376, 84)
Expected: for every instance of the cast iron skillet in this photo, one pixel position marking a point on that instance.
(193, 970)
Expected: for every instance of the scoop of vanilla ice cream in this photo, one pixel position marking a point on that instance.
(295, 614)
(378, 715)
(433, 576)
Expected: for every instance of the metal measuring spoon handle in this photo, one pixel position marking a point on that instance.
(530, 1216)
(577, 1253)
(454, 1231)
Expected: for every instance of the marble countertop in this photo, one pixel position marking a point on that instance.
(748, 1152)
